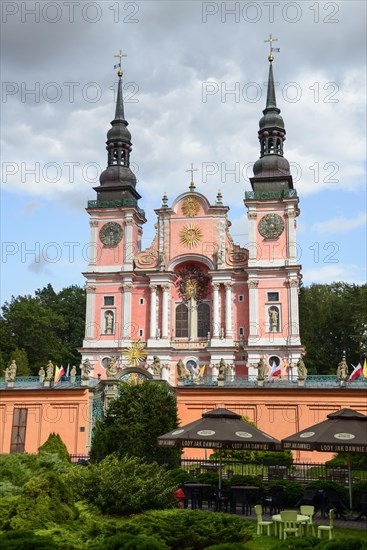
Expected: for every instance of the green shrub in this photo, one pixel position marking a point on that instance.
(8, 507)
(293, 491)
(331, 485)
(55, 444)
(179, 476)
(246, 480)
(26, 540)
(345, 544)
(305, 543)
(124, 486)
(7, 489)
(18, 468)
(226, 546)
(124, 541)
(358, 489)
(45, 499)
(194, 529)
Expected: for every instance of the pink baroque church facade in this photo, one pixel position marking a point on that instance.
(194, 298)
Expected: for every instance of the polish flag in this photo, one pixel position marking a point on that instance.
(59, 374)
(276, 370)
(358, 371)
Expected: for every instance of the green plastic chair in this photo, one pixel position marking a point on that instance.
(260, 522)
(309, 511)
(289, 523)
(327, 528)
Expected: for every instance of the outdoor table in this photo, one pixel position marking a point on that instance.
(244, 492)
(194, 491)
(301, 520)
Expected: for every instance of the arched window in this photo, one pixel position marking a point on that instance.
(203, 320)
(182, 321)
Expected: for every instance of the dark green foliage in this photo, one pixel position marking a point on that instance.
(293, 491)
(331, 485)
(45, 498)
(358, 489)
(327, 326)
(345, 544)
(125, 541)
(226, 546)
(358, 461)
(46, 326)
(54, 444)
(305, 543)
(135, 419)
(124, 486)
(179, 476)
(26, 540)
(182, 529)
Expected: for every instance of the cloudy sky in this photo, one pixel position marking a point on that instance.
(194, 84)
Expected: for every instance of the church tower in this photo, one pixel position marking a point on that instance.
(115, 235)
(273, 271)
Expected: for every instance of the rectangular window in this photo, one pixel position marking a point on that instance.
(140, 332)
(241, 331)
(241, 298)
(273, 296)
(109, 300)
(18, 430)
(141, 301)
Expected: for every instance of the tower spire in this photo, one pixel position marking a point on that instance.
(271, 163)
(117, 181)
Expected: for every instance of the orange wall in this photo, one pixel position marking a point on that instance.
(279, 412)
(61, 411)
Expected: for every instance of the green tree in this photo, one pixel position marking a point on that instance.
(333, 320)
(46, 326)
(54, 444)
(21, 359)
(135, 419)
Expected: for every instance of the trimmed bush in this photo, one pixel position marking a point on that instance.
(345, 544)
(55, 444)
(331, 485)
(26, 540)
(293, 491)
(124, 541)
(124, 485)
(194, 529)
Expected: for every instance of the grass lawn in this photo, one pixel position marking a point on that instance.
(266, 543)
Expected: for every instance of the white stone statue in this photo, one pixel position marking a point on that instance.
(49, 371)
(41, 374)
(301, 369)
(111, 367)
(85, 370)
(262, 369)
(273, 319)
(156, 366)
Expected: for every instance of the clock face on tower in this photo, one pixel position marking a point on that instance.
(111, 234)
(271, 226)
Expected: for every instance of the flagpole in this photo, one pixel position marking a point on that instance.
(350, 484)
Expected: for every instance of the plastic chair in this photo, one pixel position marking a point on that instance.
(260, 522)
(327, 528)
(289, 523)
(309, 511)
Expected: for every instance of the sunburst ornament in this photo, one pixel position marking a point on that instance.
(190, 207)
(135, 353)
(190, 235)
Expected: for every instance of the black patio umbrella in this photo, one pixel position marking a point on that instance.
(345, 431)
(220, 429)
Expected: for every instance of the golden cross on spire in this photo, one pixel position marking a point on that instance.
(271, 40)
(120, 55)
(192, 170)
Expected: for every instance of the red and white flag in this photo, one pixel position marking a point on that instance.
(59, 372)
(358, 371)
(276, 370)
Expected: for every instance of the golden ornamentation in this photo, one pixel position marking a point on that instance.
(191, 289)
(135, 353)
(190, 235)
(190, 207)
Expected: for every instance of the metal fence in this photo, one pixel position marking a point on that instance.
(301, 472)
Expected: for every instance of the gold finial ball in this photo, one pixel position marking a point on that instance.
(119, 73)
(271, 58)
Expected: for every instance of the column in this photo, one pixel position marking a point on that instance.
(128, 245)
(90, 312)
(126, 310)
(165, 311)
(229, 330)
(93, 224)
(252, 248)
(293, 308)
(153, 311)
(253, 307)
(216, 325)
(291, 236)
